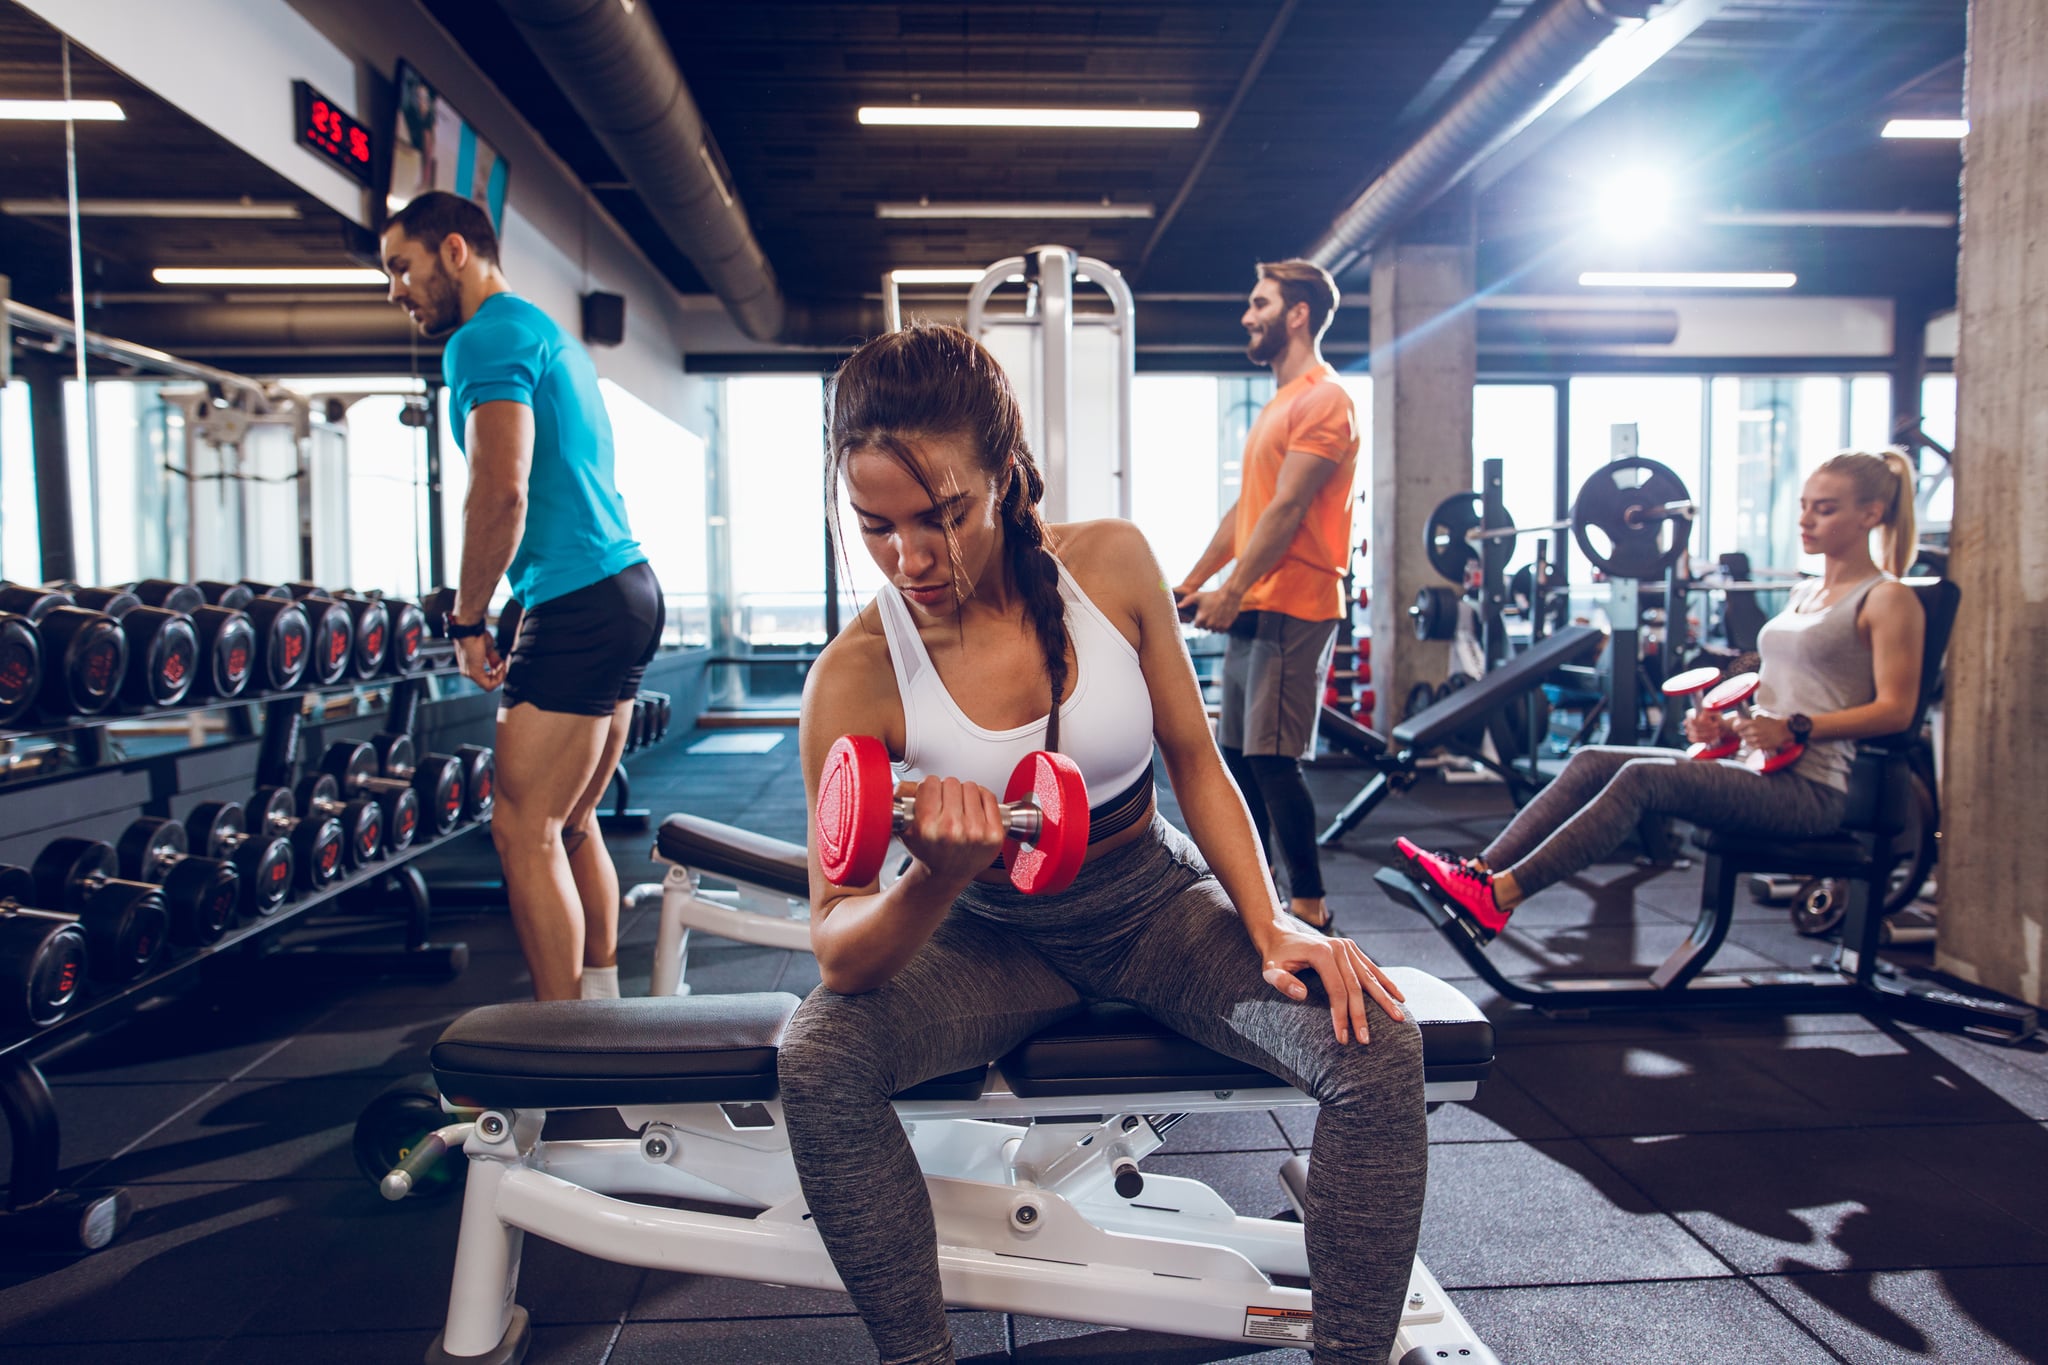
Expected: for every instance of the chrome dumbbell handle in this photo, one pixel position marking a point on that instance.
(1021, 819)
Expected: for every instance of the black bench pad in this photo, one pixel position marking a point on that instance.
(1111, 1048)
(1840, 855)
(697, 1049)
(729, 851)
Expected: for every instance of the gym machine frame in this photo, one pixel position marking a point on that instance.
(1862, 856)
(40, 1212)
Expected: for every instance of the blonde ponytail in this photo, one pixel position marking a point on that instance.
(1889, 481)
(1900, 527)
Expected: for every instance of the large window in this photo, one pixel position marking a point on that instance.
(1517, 425)
(774, 470)
(21, 543)
(659, 467)
(1769, 435)
(1938, 421)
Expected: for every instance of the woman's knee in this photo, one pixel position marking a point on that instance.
(828, 1056)
(1385, 1073)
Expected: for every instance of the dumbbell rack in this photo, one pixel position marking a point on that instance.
(1348, 686)
(40, 1213)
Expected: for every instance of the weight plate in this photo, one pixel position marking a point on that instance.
(318, 795)
(84, 657)
(395, 756)
(351, 765)
(274, 809)
(408, 636)
(400, 823)
(67, 870)
(364, 823)
(1435, 613)
(373, 636)
(34, 603)
(480, 778)
(21, 666)
(126, 928)
(215, 829)
(113, 601)
(1732, 692)
(333, 640)
(267, 878)
(439, 784)
(183, 598)
(1049, 863)
(42, 967)
(287, 642)
(394, 1123)
(1444, 536)
(227, 644)
(147, 845)
(1691, 681)
(1420, 698)
(1818, 907)
(18, 888)
(233, 596)
(201, 895)
(165, 649)
(856, 810)
(1601, 512)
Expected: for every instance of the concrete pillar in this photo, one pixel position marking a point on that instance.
(1424, 358)
(1994, 860)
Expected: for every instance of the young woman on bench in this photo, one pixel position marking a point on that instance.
(1840, 663)
(990, 617)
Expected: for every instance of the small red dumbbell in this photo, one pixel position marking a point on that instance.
(1734, 695)
(1692, 683)
(861, 807)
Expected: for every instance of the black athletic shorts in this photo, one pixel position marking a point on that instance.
(583, 653)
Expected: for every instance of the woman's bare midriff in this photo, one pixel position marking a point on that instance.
(997, 876)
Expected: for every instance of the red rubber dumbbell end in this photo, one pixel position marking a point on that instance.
(856, 809)
(1050, 863)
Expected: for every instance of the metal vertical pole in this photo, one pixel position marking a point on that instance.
(437, 540)
(1054, 268)
(92, 465)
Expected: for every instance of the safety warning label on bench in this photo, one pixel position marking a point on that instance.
(1277, 1324)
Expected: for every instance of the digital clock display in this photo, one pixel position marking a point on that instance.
(338, 138)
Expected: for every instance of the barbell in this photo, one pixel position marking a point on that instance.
(1631, 519)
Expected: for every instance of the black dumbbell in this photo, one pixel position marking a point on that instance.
(284, 642)
(233, 596)
(43, 954)
(21, 666)
(227, 651)
(661, 703)
(126, 923)
(34, 603)
(387, 769)
(184, 598)
(409, 633)
(202, 894)
(320, 846)
(479, 780)
(163, 647)
(334, 633)
(85, 657)
(636, 725)
(368, 825)
(372, 622)
(220, 829)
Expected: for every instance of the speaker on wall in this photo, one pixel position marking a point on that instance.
(604, 319)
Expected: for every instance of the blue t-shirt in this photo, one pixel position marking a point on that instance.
(576, 532)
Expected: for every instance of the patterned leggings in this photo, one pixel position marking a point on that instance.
(1605, 790)
(1149, 925)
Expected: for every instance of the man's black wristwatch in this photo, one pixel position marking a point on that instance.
(458, 631)
(1800, 724)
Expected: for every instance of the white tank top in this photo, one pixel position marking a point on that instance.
(1105, 724)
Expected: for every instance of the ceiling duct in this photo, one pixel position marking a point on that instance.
(612, 62)
(1515, 83)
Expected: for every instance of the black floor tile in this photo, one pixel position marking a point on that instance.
(785, 1341)
(111, 1353)
(289, 1129)
(1598, 1089)
(1503, 1214)
(98, 1121)
(1049, 1339)
(1245, 1131)
(1690, 1322)
(1989, 1316)
(1829, 1199)
(666, 1296)
(1899, 1077)
(1248, 1181)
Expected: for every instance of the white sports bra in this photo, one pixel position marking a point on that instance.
(1105, 725)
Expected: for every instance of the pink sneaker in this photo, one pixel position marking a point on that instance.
(1463, 884)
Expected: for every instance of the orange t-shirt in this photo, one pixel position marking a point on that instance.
(1312, 414)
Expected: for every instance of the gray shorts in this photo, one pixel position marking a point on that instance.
(1273, 676)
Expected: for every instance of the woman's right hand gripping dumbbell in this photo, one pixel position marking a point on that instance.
(1707, 727)
(955, 828)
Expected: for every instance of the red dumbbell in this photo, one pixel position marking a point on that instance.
(1734, 695)
(1691, 684)
(861, 807)
(1331, 697)
(1362, 706)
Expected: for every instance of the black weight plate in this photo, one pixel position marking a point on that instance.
(350, 765)
(85, 656)
(364, 822)
(113, 601)
(201, 895)
(287, 642)
(21, 666)
(401, 818)
(18, 888)
(127, 928)
(146, 845)
(394, 1123)
(273, 809)
(34, 603)
(215, 829)
(42, 966)
(233, 596)
(1435, 613)
(227, 647)
(266, 867)
(396, 756)
(183, 598)
(67, 870)
(1419, 699)
(439, 784)
(334, 635)
(1444, 536)
(163, 652)
(1600, 519)
(408, 636)
(373, 635)
(480, 780)
(317, 851)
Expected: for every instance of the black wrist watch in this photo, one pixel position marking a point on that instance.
(458, 631)
(1800, 724)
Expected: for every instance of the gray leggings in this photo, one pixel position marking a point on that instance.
(1149, 925)
(1605, 789)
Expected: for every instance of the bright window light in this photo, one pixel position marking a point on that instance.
(937, 276)
(1687, 279)
(1927, 127)
(942, 116)
(213, 275)
(1634, 205)
(1023, 211)
(80, 110)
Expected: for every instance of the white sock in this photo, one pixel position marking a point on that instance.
(601, 983)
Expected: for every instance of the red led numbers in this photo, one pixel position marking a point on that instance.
(337, 139)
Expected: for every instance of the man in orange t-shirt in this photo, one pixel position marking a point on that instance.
(1290, 535)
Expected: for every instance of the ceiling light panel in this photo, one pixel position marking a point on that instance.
(1688, 279)
(1016, 211)
(212, 275)
(945, 116)
(101, 111)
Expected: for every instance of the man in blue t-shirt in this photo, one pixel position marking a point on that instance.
(542, 505)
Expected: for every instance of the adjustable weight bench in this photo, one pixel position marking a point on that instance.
(1056, 1218)
(1456, 723)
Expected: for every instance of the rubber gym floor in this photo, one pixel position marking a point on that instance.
(1685, 1188)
